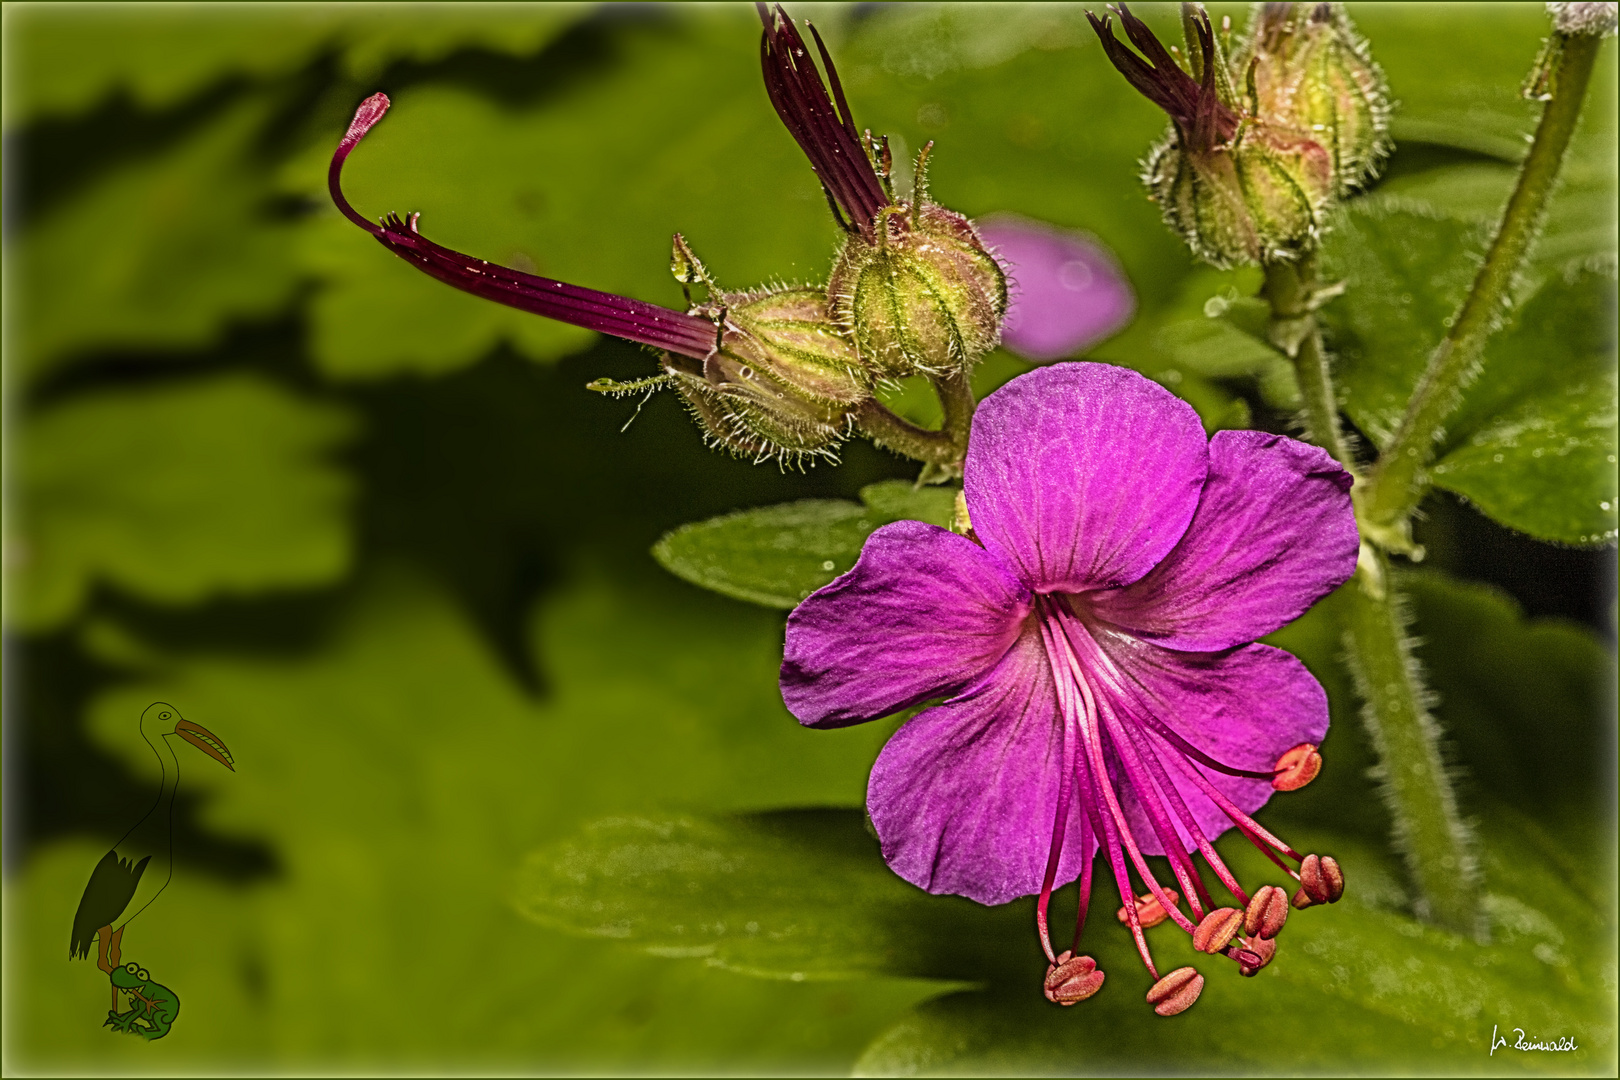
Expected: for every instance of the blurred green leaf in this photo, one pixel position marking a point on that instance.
(176, 494)
(1027, 115)
(778, 555)
(158, 253)
(1526, 704)
(1456, 83)
(791, 895)
(71, 57)
(400, 774)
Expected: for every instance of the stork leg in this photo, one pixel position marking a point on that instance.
(104, 939)
(114, 953)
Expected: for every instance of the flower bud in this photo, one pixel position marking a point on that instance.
(1312, 73)
(919, 293)
(1263, 141)
(778, 381)
(782, 382)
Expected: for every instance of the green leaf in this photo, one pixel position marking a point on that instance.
(1356, 986)
(71, 60)
(793, 895)
(398, 774)
(778, 555)
(1534, 444)
(1406, 268)
(1533, 440)
(156, 254)
(220, 485)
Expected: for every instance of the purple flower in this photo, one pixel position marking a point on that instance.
(1092, 639)
(1068, 292)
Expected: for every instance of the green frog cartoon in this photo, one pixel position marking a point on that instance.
(153, 1006)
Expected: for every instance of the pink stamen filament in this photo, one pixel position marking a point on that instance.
(1125, 720)
(1256, 833)
(1116, 825)
(1095, 737)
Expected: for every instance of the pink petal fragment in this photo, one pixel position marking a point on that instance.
(1273, 534)
(923, 613)
(964, 796)
(1083, 476)
(1068, 290)
(1243, 708)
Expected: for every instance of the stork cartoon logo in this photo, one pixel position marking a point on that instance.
(132, 875)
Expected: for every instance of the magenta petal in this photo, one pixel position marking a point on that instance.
(1242, 708)
(1068, 290)
(964, 796)
(923, 613)
(1083, 476)
(1273, 534)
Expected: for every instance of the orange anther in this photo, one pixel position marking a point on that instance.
(1072, 979)
(1267, 911)
(1176, 991)
(1253, 954)
(1320, 879)
(1296, 768)
(1218, 928)
(1149, 912)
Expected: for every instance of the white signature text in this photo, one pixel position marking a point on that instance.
(1499, 1042)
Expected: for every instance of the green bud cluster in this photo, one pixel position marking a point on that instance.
(1266, 136)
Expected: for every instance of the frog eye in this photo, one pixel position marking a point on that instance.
(132, 968)
(143, 974)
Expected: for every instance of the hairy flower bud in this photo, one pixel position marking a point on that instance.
(782, 382)
(1312, 73)
(920, 293)
(1264, 140)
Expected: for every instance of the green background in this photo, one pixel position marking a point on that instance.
(377, 536)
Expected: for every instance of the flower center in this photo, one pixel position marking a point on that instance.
(1117, 751)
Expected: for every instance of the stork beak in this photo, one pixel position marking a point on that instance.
(206, 741)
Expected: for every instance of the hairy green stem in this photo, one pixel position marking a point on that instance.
(956, 398)
(1429, 831)
(1293, 292)
(941, 452)
(1399, 479)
